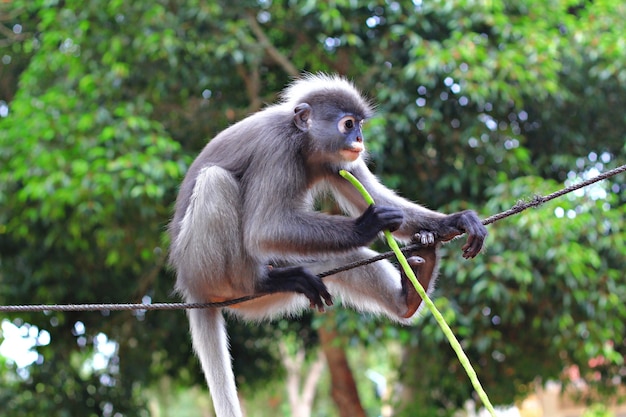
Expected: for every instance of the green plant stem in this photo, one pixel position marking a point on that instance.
(456, 346)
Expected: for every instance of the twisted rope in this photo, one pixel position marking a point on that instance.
(517, 208)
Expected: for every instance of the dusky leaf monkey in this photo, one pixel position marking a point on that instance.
(244, 223)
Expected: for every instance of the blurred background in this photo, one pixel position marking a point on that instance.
(103, 105)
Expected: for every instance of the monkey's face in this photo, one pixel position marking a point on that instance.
(334, 131)
(337, 139)
(351, 129)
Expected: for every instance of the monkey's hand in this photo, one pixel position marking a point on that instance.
(376, 219)
(297, 279)
(465, 222)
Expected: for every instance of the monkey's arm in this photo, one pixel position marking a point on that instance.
(417, 219)
(280, 222)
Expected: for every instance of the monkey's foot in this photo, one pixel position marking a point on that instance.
(413, 300)
(424, 237)
(423, 262)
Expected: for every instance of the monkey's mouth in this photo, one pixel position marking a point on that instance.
(353, 152)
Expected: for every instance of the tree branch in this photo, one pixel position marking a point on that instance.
(253, 86)
(310, 383)
(271, 50)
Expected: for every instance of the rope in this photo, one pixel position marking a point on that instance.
(538, 200)
(517, 208)
(40, 308)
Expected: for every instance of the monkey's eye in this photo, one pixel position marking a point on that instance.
(346, 124)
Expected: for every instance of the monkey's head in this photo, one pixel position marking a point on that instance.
(331, 112)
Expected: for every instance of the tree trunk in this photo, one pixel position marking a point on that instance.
(301, 384)
(343, 386)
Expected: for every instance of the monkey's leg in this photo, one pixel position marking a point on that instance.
(379, 287)
(209, 257)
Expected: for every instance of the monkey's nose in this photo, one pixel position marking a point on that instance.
(359, 139)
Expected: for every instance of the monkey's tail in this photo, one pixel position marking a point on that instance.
(210, 341)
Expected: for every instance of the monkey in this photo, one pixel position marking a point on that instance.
(244, 223)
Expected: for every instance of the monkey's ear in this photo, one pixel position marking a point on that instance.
(302, 117)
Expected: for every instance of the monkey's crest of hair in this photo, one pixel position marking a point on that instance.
(324, 84)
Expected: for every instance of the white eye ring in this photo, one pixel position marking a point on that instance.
(346, 124)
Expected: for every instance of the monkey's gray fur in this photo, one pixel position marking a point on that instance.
(247, 202)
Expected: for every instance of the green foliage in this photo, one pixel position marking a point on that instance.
(103, 105)
(597, 410)
(545, 294)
